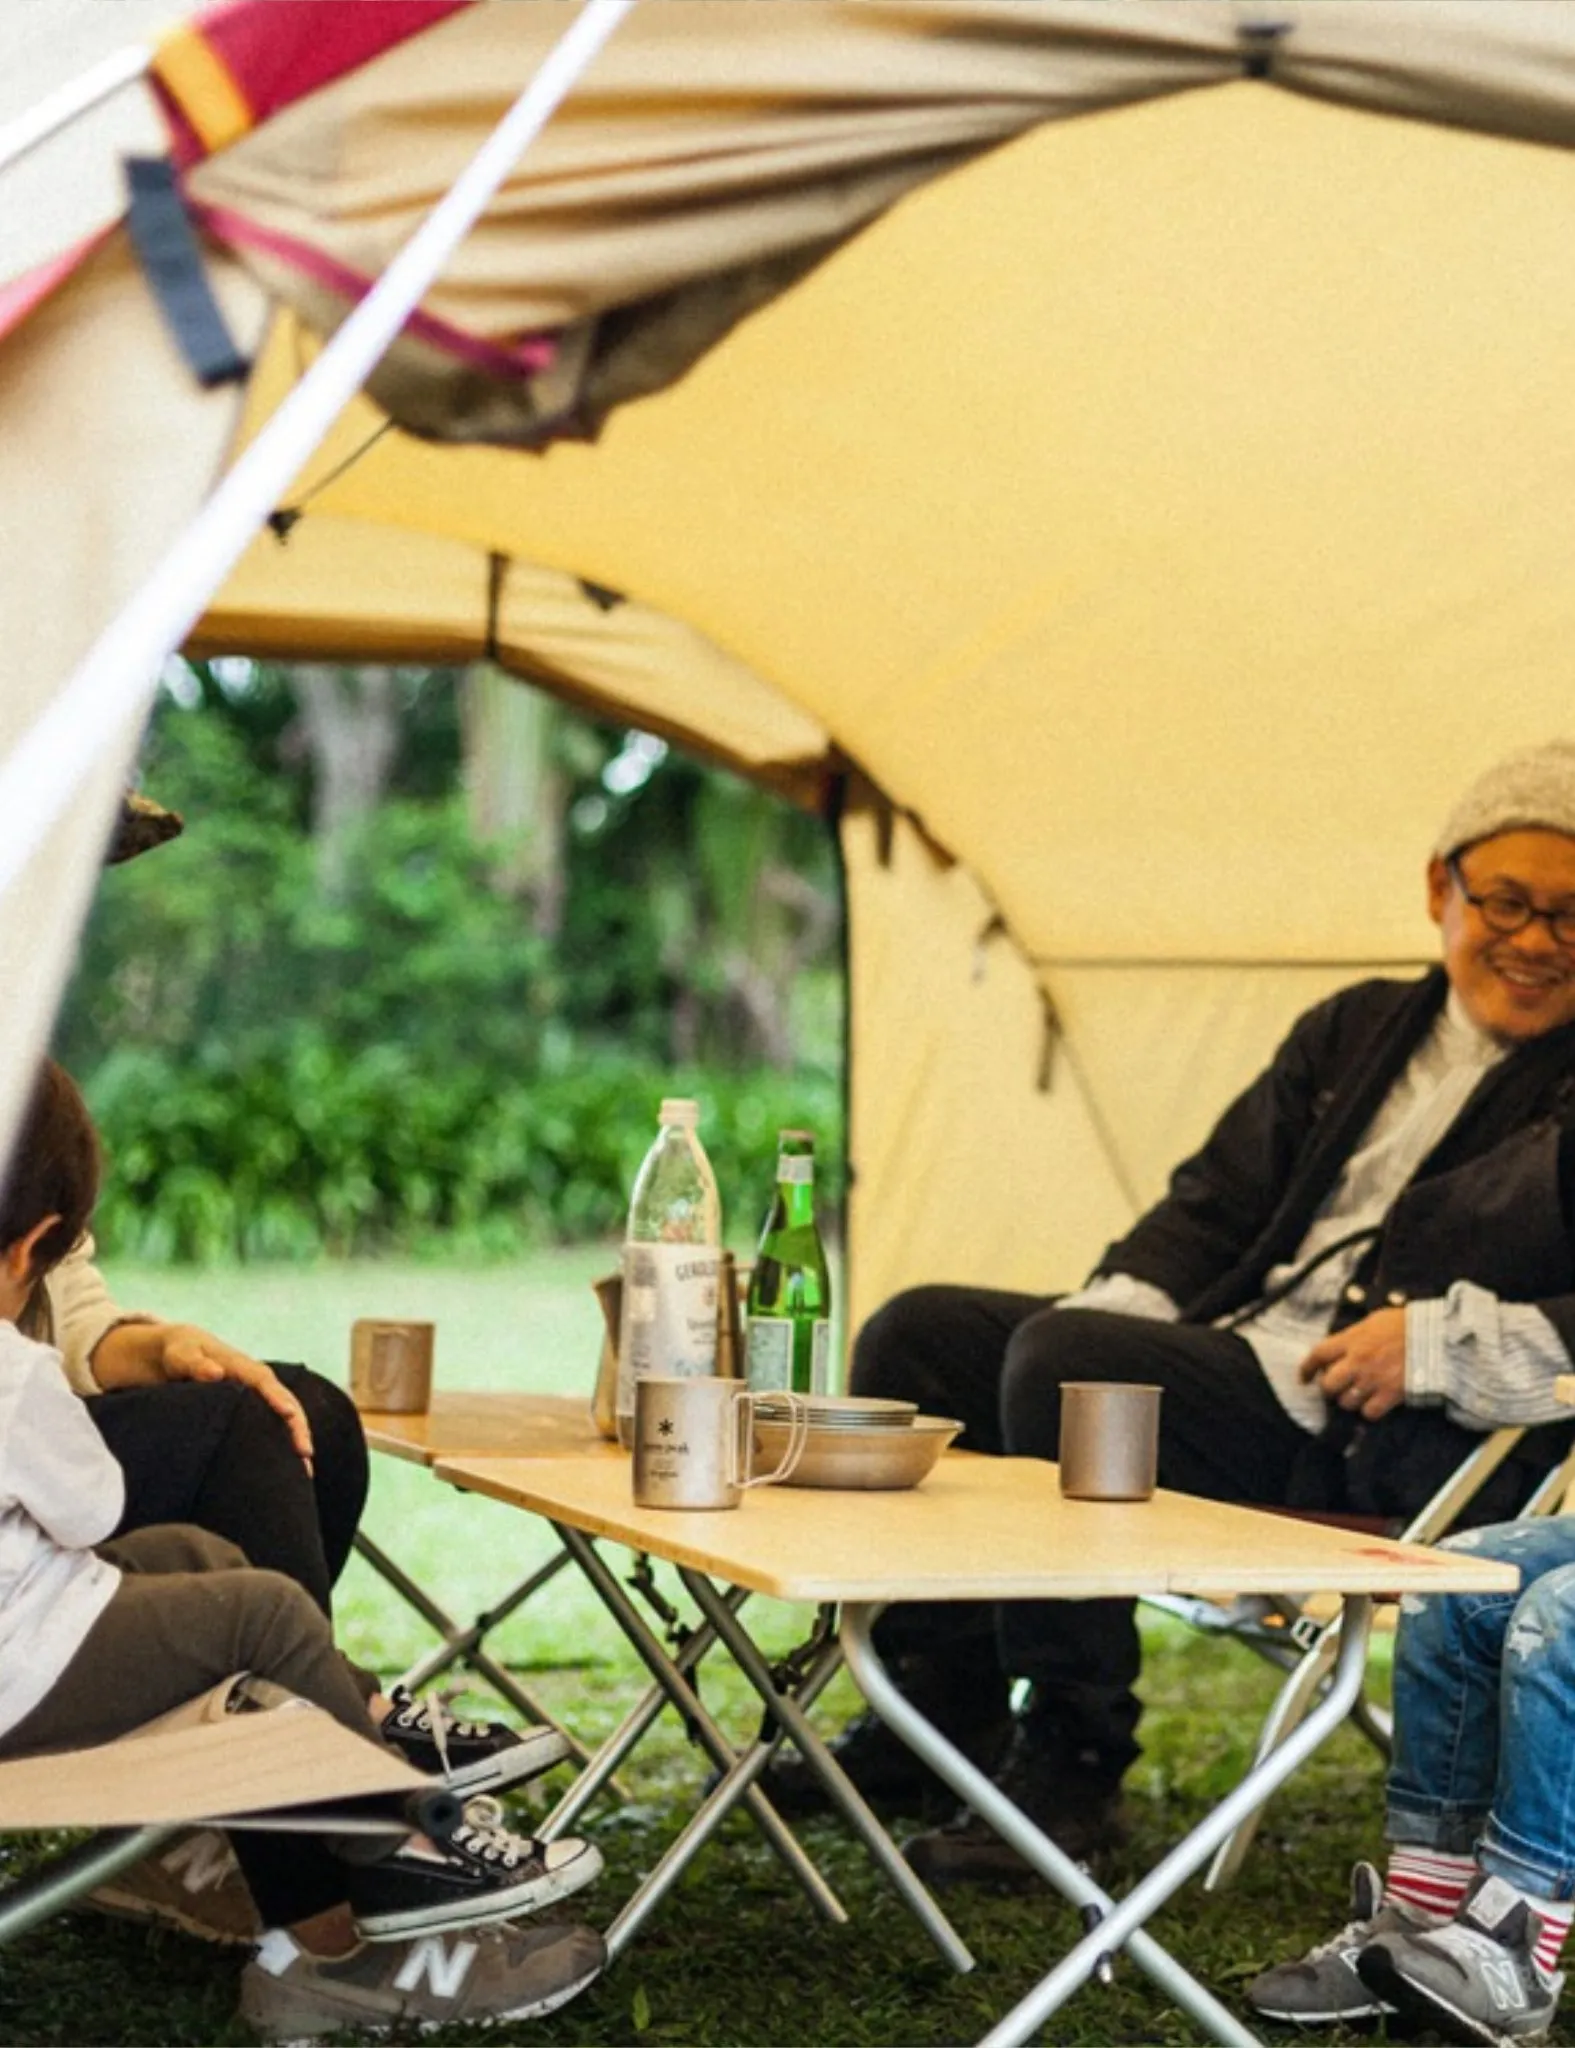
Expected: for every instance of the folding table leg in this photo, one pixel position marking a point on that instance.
(790, 1713)
(712, 1740)
(627, 1736)
(464, 1645)
(1120, 1925)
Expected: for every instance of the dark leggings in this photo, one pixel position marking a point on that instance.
(997, 1362)
(215, 1454)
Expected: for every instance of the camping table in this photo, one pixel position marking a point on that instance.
(483, 1425)
(978, 1529)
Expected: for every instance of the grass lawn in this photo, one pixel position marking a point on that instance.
(733, 1956)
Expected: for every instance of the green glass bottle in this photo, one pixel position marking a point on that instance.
(787, 1312)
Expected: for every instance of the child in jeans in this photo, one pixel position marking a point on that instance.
(98, 1636)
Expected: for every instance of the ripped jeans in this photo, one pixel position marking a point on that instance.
(1484, 1698)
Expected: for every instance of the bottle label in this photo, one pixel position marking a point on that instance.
(796, 1170)
(768, 1354)
(669, 1313)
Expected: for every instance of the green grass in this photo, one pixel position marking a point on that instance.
(733, 1956)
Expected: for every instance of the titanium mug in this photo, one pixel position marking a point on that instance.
(391, 1366)
(1109, 1439)
(694, 1441)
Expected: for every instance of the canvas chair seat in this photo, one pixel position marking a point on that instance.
(289, 1767)
(1301, 1636)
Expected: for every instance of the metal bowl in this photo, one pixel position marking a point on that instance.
(859, 1459)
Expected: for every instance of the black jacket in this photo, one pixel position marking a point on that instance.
(1492, 1203)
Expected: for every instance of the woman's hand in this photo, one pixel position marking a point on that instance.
(143, 1353)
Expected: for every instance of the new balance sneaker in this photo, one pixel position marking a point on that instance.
(1474, 1978)
(474, 1756)
(502, 1973)
(483, 1872)
(1323, 1988)
(193, 1883)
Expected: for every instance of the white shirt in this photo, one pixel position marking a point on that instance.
(1486, 1362)
(60, 1492)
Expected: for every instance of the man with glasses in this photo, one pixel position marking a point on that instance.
(1370, 1261)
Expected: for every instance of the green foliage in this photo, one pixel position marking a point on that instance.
(278, 1074)
(311, 1148)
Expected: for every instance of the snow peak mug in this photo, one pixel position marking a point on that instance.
(694, 1442)
(391, 1366)
(1109, 1439)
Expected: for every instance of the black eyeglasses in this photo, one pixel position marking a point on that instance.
(1502, 911)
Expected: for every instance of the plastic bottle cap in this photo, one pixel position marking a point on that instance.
(807, 1136)
(679, 1109)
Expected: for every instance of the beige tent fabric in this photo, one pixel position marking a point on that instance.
(105, 452)
(715, 151)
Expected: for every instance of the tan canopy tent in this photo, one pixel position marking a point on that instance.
(1121, 455)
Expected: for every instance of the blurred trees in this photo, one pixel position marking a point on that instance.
(427, 955)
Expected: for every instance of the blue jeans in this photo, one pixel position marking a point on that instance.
(1484, 1697)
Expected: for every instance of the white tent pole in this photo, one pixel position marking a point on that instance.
(50, 762)
(61, 107)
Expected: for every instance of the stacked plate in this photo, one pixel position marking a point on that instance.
(853, 1441)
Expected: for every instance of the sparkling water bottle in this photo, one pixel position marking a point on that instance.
(787, 1327)
(672, 1255)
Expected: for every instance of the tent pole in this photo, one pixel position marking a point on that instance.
(61, 107)
(44, 771)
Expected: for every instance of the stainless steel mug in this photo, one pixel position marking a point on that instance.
(391, 1366)
(1109, 1439)
(694, 1442)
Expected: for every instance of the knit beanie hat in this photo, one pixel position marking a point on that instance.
(1535, 786)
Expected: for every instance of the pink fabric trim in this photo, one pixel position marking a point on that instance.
(278, 55)
(22, 294)
(527, 356)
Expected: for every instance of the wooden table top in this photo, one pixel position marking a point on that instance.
(977, 1528)
(490, 1425)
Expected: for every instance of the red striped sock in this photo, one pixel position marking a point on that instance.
(1555, 1915)
(1429, 1881)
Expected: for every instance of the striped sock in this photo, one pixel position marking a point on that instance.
(1555, 1915)
(1429, 1881)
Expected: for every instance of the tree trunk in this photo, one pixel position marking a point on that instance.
(518, 795)
(351, 720)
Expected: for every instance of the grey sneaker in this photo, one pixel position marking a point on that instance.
(496, 1973)
(1474, 1978)
(193, 1883)
(1323, 1988)
(482, 1872)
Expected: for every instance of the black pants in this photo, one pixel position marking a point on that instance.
(215, 1454)
(997, 1362)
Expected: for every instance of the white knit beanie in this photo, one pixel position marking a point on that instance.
(1534, 786)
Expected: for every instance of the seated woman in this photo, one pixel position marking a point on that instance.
(98, 1636)
(270, 1456)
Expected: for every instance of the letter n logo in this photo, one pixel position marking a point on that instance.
(444, 1971)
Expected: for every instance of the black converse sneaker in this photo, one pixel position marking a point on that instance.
(1474, 1978)
(502, 1973)
(483, 1872)
(473, 1756)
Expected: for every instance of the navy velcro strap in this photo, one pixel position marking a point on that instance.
(166, 246)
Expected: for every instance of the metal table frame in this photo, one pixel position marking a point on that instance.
(990, 1506)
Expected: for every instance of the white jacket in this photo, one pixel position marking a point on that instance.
(60, 1493)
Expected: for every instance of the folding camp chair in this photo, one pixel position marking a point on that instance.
(290, 1767)
(1303, 1637)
